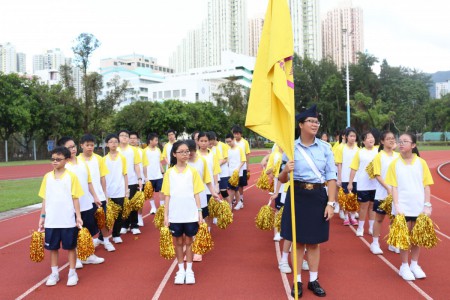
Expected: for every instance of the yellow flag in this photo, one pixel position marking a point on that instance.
(271, 111)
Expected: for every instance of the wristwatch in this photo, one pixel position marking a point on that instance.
(332, 204)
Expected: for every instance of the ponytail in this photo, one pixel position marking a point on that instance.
(382, 138)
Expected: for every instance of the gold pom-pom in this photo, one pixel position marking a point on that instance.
(423, 233)
(277, 222)
(112, 213)
(137, 202)
(213, 207)
(37, 246)
(342, 198)
(225, 216)
(166, 248)
(148, 190)
(386, 205)
(234, 179)
(263, 181)
(271, 186)
(127, 208)
(100, 218)
(351, 203)
(399, 233)
(203, 242)
(85, 244)
(159, 217)
(265, 218)
(248, 175)
(369, 170)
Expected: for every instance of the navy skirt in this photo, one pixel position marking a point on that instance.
(311, 226)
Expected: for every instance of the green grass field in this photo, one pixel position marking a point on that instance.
(24, 163)
(19, 193)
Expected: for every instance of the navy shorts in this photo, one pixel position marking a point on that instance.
(243, 179)
(104, 206)
(376, 207)
(55, 236)
(157, 185)
(355, 187)
(88, 218)
(366, 196)
(233, 188)
(412, 219)
(205, 211)
(278, 204)
(223, 183)
(189, 229)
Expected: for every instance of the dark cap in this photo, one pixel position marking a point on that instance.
(310, 112)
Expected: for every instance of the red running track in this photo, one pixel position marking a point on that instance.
(243, 264)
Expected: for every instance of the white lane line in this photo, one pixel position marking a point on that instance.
(21, 215)
(284, 278)
(440, 173)
(15, 242)
(34, 287)
(163, 283)
(444, 235)
(390, 265)
(442, 200)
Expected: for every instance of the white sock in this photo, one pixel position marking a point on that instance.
(375, 240)
(72, 272)
(242, 198)
(352, 215)
(371, 224)
(152, 203)
(284, 256)
(345, 216)
(413, 263)
(405, 264)
(299, 278)
(106, 239)
(189, 266)
(361, 224)
(181, 267)
(313, 276)
(209, 229)
(55, 270)
(161, 202)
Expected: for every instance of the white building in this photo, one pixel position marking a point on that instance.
(343, 26)
(133, 61)
(255, 27)
(442, 89)
(8, 58)
(21, 63)
(51, 59)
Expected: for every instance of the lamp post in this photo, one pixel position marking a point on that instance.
(346, 53)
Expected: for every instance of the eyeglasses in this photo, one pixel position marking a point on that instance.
(313, 122)
(183, 152)
(124, 135)
(404, 142)
(56, 159)
(72, 147)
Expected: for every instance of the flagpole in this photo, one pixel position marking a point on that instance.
(294, 234)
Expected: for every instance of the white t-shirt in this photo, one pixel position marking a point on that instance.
(381, 163)
(345, 156)
(141, 166)
(115, 181)
(58, 195)
(97, 170)
(133, 158)
(200, 165)
(235, 157)
(152, 158)
(359, 163)
(81, 170)
(213, 168)
(243, 144)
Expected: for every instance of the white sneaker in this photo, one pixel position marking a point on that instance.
(117, 240)
(72, 280)
(341, 214)
(277, 237)
(140, 221)
(153, 211)
(109, 247)
(179, 277)
(393, 249)
(239, 205)
(135, 231)
(284, 267)
(305, 265)
(375, 249)
(371, 231)
(93, 259)
(360, 232)
(214, 220)
(336, 208)
(418, 272)
(405, 273)
(190, 277)
(52, 279)
(78, 265)
(96, 242)
(356, 215)
(123, 231)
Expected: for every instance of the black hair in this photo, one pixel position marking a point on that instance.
(151, 136)
(62, 141)
(341, 133)
(202, 134)
(414, 141)
(123, 130)
(364, 136)
(337, 133)
(382, 138)
(87, 138)
(236, 129)
(192, 146)
(111, 136)
(134, 133)
(176, 145)
(193, 134)
(229, 136)
(325, 134)
(171, 131)
(212, 135)
(376, 134)
(61, 150)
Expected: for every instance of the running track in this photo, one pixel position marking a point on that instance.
(243, 264)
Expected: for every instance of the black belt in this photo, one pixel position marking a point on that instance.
(309, 186)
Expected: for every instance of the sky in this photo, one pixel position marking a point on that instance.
(412, 33)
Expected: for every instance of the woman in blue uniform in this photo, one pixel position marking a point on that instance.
(313, 169)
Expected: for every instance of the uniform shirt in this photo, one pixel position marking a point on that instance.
(141, 164)
(274, 163)
(181, 187)
(213, 167)
(133, 158)
(97, 170)
(410, 180)
(59, 195)
(344, 156)
(115, 181)
(152, 161)
(201, 166)
(166, 153)
(321, 155)
(243, 144)
(381, 163)
(222, 148)
(235, 157)
(359, 163)
(81, 170)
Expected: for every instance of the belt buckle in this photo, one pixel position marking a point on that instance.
(309, 186)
